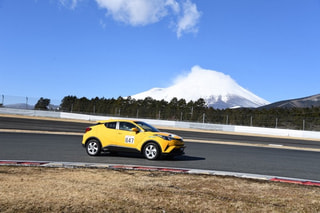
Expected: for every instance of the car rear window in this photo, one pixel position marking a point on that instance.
(111, 125)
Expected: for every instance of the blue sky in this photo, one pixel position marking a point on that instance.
(112, 48)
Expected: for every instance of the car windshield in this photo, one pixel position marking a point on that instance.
(146, 127)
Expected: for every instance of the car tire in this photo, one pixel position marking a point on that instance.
(151, 151)
(93, 147)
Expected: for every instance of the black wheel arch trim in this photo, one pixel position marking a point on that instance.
(85, 144)
(150, 141)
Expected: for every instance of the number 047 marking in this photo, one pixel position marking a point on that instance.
(129, 139)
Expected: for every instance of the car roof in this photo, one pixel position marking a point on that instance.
(115, 120)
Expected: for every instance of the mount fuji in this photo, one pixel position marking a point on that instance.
(217, 89)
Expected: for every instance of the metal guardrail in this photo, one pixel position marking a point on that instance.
(173, 124)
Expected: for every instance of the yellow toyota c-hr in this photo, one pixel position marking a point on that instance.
(129, 135)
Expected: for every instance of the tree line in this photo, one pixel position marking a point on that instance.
(192, 111)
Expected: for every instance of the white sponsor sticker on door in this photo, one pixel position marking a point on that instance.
(129, 139)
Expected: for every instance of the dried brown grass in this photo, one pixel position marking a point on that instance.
(34, 189)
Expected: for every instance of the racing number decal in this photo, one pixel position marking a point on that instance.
(129, 139)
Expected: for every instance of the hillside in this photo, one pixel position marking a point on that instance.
(306, 102)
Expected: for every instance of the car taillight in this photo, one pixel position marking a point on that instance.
(88, 129)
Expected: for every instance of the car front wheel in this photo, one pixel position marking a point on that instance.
(151, 151)
(93, 147)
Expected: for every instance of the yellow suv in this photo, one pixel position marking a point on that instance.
(129, 135)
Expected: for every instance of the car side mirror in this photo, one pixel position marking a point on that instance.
(136, 130)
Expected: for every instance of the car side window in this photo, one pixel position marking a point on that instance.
(111, 125)
(126, 126)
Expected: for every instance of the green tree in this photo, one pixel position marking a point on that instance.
(42, 104)
(68, 102)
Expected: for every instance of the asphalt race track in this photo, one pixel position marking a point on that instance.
(65, 147)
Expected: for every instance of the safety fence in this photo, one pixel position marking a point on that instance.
(296, 119)
(25, 102)
(173, 124)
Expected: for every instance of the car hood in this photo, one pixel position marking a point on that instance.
(170, 135)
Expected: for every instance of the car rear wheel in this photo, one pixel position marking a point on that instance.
(93, 147)
(151, 151)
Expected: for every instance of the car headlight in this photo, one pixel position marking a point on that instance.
(167, 138)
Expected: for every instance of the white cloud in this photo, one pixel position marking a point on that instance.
(188, 22)
(135, 12)
(175, 6)
(72, 4)
(102, 24)
(144, 12)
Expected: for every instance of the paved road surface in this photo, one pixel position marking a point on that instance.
(258, 160)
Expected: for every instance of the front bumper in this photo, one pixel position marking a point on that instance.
(175, 152)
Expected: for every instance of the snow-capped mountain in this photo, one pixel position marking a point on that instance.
(217, 89)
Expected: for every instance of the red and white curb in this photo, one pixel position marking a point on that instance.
(161, 169)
